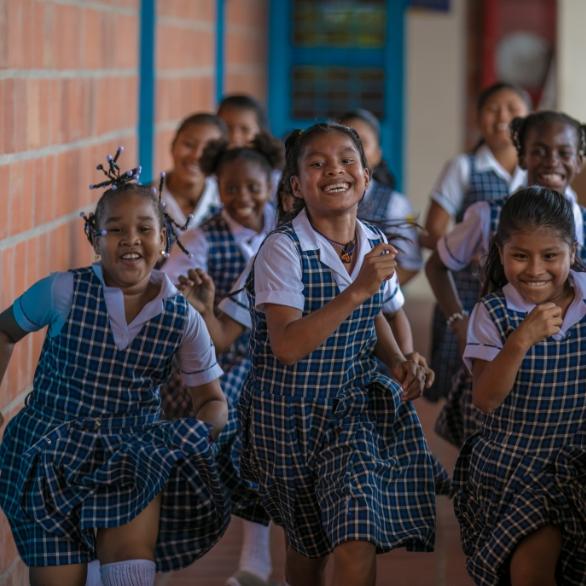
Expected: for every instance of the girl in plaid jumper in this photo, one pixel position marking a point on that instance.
(334, 445)
(88, 468)
(222, 246)
(519, 481)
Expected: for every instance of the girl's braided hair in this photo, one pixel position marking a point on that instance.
(521, 126)
(120, 183)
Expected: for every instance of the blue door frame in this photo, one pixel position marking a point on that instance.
(392, 59)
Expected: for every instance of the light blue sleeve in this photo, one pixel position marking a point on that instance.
(46, 303)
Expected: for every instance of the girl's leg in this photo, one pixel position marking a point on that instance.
(127, 553)
(355, 564)
(73, 575)
(534, 560)
(255, 553)
(304, 571)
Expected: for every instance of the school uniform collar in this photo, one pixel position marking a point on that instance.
(575, 313)
(484, 160)
(206, 199)
(309, 239)
(242, 233)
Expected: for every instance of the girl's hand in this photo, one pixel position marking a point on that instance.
(543, 321)
(411, 375)
(199, 289)
(422, 362)
(378, 265)
(460, 329)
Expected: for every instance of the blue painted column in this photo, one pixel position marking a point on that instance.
(146, 87)
(393, 141)
(220, 48)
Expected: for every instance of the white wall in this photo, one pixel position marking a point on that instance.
(435, 101)
(571, 82)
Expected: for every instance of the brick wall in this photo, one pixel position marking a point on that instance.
(68, 96)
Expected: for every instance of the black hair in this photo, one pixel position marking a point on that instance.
(381, 173)
(200, 119)
(246, 102)
(521, 126)
(295, 143)
(265, 150)
(119, 184)
(499, 86)
(532, 207)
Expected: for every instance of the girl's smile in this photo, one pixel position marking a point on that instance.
(131, 241)
(244, 190)
(551, 156)
(537, 264)
(331, 176)
(496, 115)
(187, 148)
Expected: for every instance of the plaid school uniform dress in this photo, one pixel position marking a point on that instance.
(445, 357)
(526, 468)
(336, 453)
(459, 418)
(225, 263)
(89, 451)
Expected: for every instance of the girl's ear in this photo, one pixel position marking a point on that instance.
(163, 238)
(500, 254)
(366, 177)
(295, 186)
(573, 252)
(580, 163)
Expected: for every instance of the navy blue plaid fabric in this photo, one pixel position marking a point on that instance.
(88, 450)
(225, 264)
(526, 467)
(336, 454)
(445, 357)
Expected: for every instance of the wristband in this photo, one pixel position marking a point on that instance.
(458, 315)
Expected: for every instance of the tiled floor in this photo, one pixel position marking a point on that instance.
(443, 567)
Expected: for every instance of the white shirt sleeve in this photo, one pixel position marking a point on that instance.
(179, 263)
(196, 355)
(393, 298)
(452, 184)
(409, 256)
(466, 241)
(277, 273)
(483, 339)
(236, 305)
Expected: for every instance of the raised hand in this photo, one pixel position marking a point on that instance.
(412, 377)
(199, 289)
(543, 321)
(378, 265)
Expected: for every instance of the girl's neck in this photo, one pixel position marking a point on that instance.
(187, 194)
(506, 157)
(338, 228)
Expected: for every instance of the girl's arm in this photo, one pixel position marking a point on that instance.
(443, 287)
(292, 337)
(410, 374)
(405, 275)
(436, 225)
(210, 405)
(10, 333)
(401, 329)
(198, 288)
(493, 381)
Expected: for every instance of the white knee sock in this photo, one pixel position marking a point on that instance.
(255, 555)
(129, 573)
(93, 574)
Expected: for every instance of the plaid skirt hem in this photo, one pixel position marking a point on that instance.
(83, 475)
(551, 494)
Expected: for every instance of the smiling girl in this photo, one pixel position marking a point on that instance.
(519, 481)
(88, 468)
(332, 443)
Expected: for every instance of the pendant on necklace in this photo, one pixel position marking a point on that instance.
(347, 251)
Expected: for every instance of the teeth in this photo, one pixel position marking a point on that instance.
(337, 187)
(552, 176)
(536, 284)
(131, 256)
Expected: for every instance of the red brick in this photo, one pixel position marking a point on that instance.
(15, 39)
(4, 201)
(7, 116)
